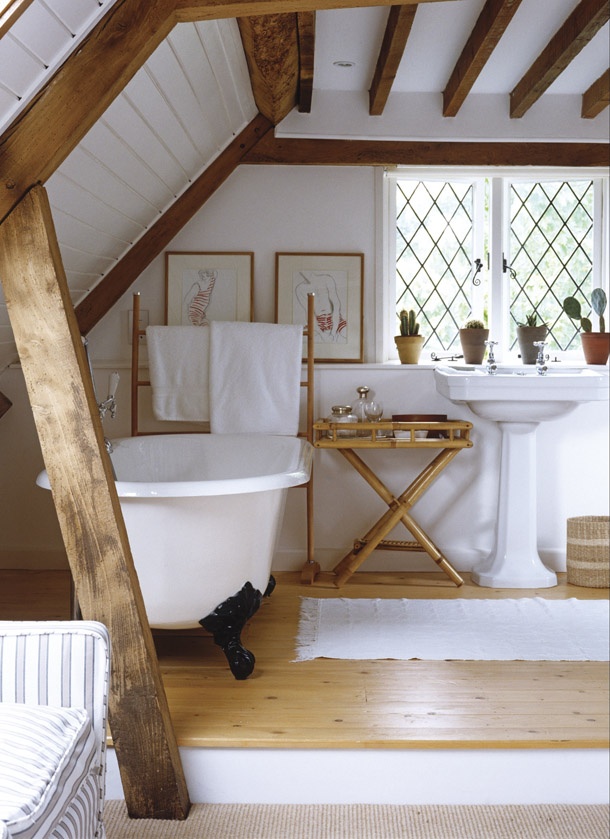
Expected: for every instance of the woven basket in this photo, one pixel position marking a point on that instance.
(588, 555)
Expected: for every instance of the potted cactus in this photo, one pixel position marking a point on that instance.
(472, 338)
(527, 333)
(595, 345)
(409, 343)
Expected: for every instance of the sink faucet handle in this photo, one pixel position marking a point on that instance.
(492, 367)
(540, 361)
(490, 347)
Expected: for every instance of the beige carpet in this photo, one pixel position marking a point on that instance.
(366, 821)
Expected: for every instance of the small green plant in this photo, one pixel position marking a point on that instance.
(474, 324)
(599, 301)
(531, 320)
(408, 324)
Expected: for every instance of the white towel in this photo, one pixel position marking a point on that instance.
(255, 377)
(178, 360)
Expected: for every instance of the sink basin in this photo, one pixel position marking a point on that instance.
(521, 395)
(518, 400)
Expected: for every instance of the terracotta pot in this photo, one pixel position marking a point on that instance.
(595, 346)
(526, 335)
(409, 348)
(473, 344)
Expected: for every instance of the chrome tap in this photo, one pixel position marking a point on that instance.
(541, 367)
(492, 367)
(109, 404)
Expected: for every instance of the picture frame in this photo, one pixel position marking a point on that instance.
(201, 286)
(337, 280)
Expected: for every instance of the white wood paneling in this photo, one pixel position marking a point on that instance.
(37, 44)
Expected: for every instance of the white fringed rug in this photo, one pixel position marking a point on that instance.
(520, 629)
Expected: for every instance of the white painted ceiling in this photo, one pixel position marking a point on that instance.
(193, 95)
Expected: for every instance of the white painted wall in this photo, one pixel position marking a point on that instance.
(318, 209)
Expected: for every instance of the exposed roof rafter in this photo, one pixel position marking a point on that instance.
(306, 29)
(489, 28)
(579, 28)
(398, 28)
(596, 97)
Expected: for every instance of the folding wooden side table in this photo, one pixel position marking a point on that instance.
(450, 437)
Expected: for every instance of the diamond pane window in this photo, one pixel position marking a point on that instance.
(551, 247)
(498, 247)
(435, 256)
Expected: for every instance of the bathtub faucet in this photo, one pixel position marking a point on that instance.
(492, 367)
(109, 404)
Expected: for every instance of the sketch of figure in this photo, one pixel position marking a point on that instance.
(197, 299)
(330, 324)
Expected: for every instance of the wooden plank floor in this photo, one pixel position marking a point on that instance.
(362, 704)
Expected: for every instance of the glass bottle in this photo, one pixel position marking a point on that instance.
(342, 413)
(360, 408)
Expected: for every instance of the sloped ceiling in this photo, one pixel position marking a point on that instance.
(446, 69)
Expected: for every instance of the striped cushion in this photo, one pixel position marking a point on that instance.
(46, 754)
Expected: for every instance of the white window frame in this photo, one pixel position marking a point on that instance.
(500, 178)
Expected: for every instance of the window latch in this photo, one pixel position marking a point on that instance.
(478, 265)
(506, 267)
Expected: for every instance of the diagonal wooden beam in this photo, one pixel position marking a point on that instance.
(106, 293)
(579, 28)
(397, 30)
(318, 152)
(596, 97)
(88, 509)
(272, 53)
(489, 28)
(306, 30)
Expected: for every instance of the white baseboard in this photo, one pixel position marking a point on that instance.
(392, 776)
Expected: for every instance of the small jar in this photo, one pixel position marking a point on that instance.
(342, 413)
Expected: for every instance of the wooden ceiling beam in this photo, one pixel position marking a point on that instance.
(317, 152)
(88, 509)
(272, 53)
(397, 30)
(193, 10)
(489, 28)
(306, 31)
(596, 97)
(579, 28)
(106, 293)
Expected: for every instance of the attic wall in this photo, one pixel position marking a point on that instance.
(269, 209)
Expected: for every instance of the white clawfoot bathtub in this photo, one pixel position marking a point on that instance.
(203, 513)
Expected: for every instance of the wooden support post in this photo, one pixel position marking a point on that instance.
(71, 438)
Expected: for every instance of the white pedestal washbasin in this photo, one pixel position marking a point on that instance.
(518, 400)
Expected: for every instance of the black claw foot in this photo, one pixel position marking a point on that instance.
(270, 587)
(226, 623)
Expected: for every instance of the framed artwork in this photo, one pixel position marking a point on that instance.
(336, 279)
(206, 286)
